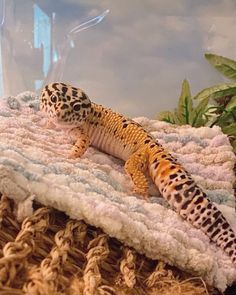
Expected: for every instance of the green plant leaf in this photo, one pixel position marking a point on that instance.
(233, 112)
(217, 91)
(185, 104)
(231, 104)
(233, 143)
(224, 65)
(198, 112)
(225, 119)
(230, 129)
(167, 117)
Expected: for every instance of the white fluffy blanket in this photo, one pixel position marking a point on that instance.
(34, 165)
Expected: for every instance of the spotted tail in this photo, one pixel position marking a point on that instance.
(183, 194)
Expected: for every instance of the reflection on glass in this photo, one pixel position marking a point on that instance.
(30, 56)
(61, 53)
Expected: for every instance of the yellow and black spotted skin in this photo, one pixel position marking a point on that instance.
(92, 124)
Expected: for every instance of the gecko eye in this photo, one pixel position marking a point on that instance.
(53, 98)
(76, 107)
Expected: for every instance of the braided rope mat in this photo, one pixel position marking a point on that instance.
(50, 254)
(33, 165)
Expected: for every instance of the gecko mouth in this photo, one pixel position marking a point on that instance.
(61, 123)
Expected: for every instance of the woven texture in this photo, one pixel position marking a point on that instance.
(50, 254)
(94, 188)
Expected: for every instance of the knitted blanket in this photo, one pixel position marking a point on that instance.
(95, 188)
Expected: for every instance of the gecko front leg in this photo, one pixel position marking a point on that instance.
(82, 142)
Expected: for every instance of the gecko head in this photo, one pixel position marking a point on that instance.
(66, 105)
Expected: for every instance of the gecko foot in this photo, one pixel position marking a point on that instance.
(142, 192)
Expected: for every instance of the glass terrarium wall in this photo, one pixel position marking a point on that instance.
(25, 46)
(142, 50)
(31, 54)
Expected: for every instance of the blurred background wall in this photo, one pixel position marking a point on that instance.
(134, 60)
